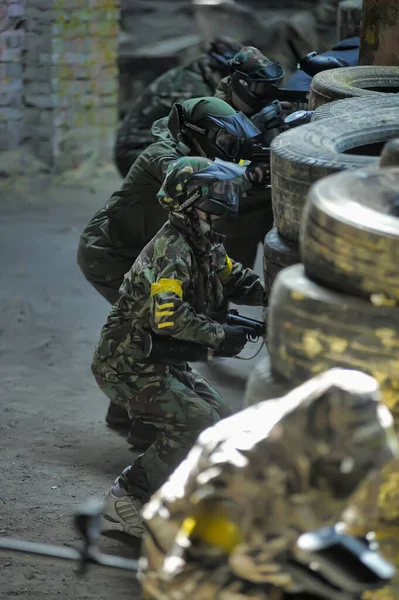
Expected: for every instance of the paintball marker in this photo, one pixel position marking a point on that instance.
(255, 152)
(311, 64)
(299, 117)
(256, 328)
(291, 95)
(168, 348)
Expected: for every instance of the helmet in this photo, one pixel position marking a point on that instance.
(254, 78)
(197, 182)
(220, 52)
(217, 127)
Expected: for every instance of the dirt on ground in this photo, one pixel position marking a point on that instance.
(55, 449)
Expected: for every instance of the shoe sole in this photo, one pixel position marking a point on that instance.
(110, 524)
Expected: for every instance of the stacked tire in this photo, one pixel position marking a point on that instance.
(340, 307)
(306, 154)
(344, 135)
(353, 82)
(363, 102)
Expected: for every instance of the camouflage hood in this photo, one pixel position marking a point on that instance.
(175, 180)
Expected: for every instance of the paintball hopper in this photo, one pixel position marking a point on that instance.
(299, 117)
(314, 63)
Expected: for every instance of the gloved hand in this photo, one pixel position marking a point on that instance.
(258, 174)
(235, 338)
(270, 117)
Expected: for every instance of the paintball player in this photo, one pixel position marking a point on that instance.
(226, 523)
(249, 88)
(193, 80)
(116, 234)
(179, 279)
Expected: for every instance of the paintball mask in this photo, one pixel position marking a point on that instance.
(228, 135)
(211, 186)
(217, 188)
(254, 78)
(221, 136)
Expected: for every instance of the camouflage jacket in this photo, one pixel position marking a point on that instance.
(224, 525)
(179, 277)
(176, 85)
(133, 215)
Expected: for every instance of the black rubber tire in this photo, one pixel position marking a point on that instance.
(390, 154)
(350, 234)
(355, 106)
(312, 329)
(352, 82)
(262, 384)
(306, 154)
(278, 253)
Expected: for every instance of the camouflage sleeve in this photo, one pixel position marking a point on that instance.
(240, 285)
(158, 167)
(134, 133)
(176, 85)
(170, 314)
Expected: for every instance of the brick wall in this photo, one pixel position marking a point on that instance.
(62, 80)
(11, 82)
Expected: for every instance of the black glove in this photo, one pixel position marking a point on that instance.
(235, 338)
(258, 174)
(270, 117)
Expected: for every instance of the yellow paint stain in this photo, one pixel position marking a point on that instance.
(338, 345)
(370, 37)
(388, 337)
(390, 397)
(297, 296)
(312, 347)
(381, 300)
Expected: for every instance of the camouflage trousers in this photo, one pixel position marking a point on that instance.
(180, 403)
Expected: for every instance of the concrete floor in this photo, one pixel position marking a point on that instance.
(55, 448)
